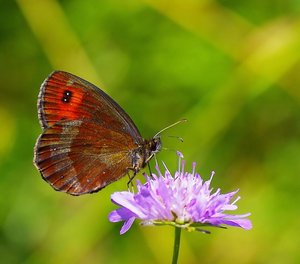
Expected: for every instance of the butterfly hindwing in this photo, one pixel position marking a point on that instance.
(80, 157)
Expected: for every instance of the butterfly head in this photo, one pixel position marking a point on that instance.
(155, 145)
(152, 147)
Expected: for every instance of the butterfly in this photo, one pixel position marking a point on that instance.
(88, 140)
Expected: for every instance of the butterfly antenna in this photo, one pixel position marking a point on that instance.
(164, 129)
(179, 138)
(169, 149)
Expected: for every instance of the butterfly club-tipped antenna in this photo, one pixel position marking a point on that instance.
(156, 141)
(177, 137)
(153, 146)
(168, 127)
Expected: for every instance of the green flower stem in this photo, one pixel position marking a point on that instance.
(176, 245)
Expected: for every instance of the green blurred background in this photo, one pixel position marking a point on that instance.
(232, 68)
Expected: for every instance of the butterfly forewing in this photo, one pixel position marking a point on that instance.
(64, 96)
(88, 139)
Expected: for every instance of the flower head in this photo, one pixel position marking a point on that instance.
(183, 200)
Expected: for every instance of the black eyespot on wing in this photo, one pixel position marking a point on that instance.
(67, 95)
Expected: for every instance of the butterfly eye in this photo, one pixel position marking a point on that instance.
(156, 145)
(66, 96)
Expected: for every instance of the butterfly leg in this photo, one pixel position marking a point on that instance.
(148, 163)
(131, 177)
(150, 172)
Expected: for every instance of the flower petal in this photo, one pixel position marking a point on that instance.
(126, 200)
(243, 223)
(120, 214)
(127, 224)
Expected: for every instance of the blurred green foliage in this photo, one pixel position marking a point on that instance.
(230, 67)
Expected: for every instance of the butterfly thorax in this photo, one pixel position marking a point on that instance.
(142, 155)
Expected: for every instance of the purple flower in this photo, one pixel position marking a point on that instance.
(183, 200)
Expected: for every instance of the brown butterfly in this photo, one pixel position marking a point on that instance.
(88, 140)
